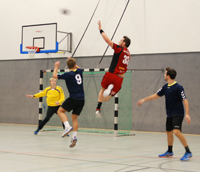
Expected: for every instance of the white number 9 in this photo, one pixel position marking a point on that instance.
(78, 79)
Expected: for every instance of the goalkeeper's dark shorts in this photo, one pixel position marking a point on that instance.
(72, 104)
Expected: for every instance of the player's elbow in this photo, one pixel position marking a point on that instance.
(55, 76)
(157, 96)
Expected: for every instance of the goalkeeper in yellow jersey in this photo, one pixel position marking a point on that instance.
(55, 97)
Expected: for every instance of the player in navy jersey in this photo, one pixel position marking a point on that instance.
(76, 100)
(174, 100)
(112, 80)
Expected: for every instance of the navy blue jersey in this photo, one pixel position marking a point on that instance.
(174, 96)
(74, 82)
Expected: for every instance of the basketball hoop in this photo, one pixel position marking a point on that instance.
(31, 50)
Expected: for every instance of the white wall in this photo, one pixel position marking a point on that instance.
(154, 26)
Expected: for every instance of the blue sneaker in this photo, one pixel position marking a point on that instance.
(186, 156)
(74, 140)
(166, 154)
(35, 132)
(67, 131)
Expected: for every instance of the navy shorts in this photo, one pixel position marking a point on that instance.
(72, 104)
(174, 122)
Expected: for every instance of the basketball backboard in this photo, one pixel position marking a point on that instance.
(45, 37)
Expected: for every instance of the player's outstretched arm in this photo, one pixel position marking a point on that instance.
(151, 97)
(55, 71)
(105, 37)
(30, 96)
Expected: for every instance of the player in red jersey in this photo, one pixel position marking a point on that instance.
(112, 80)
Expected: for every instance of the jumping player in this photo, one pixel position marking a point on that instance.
(112, 80)
(76, 100)
(175, 98)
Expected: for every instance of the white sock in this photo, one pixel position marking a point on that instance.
(74, 134)
(66, 123)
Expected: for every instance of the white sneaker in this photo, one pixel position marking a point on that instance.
(98, 114)
(108, 90)
(73, 142)
(67, 131)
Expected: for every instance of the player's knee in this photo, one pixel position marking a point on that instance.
(177, 132)
(60, 110)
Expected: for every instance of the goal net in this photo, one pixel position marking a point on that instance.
(116, 114)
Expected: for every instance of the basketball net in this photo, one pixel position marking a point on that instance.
(31, 51)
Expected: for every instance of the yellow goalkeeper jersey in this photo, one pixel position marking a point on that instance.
(52, 95)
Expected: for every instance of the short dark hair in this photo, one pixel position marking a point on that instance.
(127, 41)
(71, 62)
(171, 72)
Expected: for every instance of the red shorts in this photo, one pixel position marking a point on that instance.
(110, 78)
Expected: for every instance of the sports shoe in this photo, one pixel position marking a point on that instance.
(35, 132)
(73, 142)
(186, 156)
(166, 154)
(98, 113)
(67, 131)
(108, 90)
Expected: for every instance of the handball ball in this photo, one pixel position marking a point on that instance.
(64, 11)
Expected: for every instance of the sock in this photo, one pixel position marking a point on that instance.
(66, 123)
(99, 105)
(187, 149)
(63, 125)
(170, 149)
(74, 134)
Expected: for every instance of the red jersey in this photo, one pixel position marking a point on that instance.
(120, 60)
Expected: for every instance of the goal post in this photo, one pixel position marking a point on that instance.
(116, 113)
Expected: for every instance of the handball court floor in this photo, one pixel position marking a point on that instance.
(22, 151)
